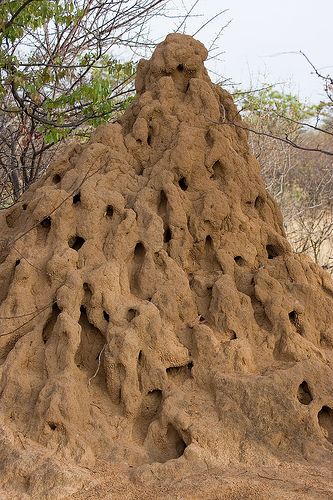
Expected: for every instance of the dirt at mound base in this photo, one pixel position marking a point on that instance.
(157, 334)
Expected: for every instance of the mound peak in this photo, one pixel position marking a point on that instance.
(154, 319)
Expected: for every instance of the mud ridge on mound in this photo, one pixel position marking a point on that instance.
(154, 320)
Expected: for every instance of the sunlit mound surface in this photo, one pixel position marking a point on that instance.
(158, 336)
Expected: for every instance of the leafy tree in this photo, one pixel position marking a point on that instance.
(59, 76)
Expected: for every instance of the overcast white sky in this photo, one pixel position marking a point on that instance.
(259, 35)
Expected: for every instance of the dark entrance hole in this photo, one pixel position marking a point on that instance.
(181, 67)
(150, 135)
(109, 211)
(139, 250)
(56, 179)
(295, 321)
(46, 222)
(183, 183)
(303, 394)
(325, 419)
(272, 251)
(209, 242)
(76, 198)
(239, 260)
(258, 202)
(76, 242)
(167, 235)
(131, 314)
(106, 316)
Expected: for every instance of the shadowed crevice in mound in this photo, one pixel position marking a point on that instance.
(175, 445)
(325, 419)
(6, 282)
(136, 267)
(90, 348)
(219, 173)
(43, 230)
(260, 315)
(210, 262)
(162, 205)
(49, 325)
(295, 320)
(179, 374)
(304, 394)
(147, 413)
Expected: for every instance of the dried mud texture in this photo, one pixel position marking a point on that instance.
(154, 320)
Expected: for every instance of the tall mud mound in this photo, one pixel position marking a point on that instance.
(154, 320)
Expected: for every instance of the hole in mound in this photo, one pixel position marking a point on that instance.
(56, 179)
(49, 325)
(131, 314)
(181, 67)
(89, 354)
(208, 242)
(303, 394)
(202, 319)
(175, 442)
(150, 135)
(24, 206)
(76, 242)
(52, 426)
(139, 250)
(76, 198)
(239, 260)
(147, 413)
(325, 419)
(140, 356)
(109, 211)
(106, 316)
(46, 222)
(163, 203)
(232, 335)
(259, 202)
(273, 251)
(87, 293)
(17, 262)
(183, 184)
(218, 171)
(136, 268)
(295, 321)
(167, 235)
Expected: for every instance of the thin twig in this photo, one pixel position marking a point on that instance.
(98, 366)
